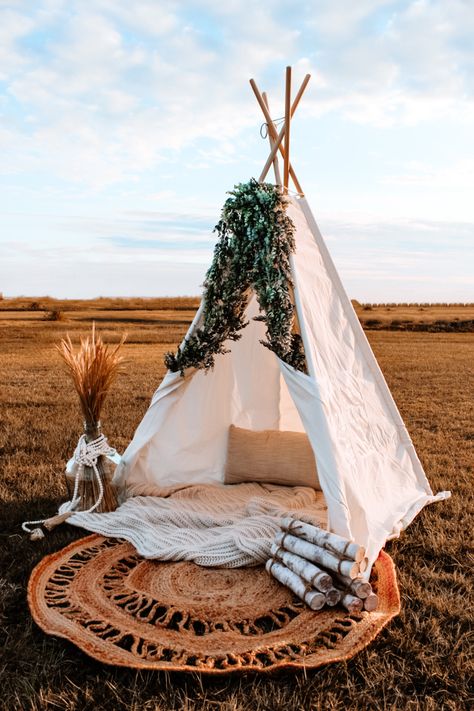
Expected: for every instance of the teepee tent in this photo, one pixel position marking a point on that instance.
(371, 478)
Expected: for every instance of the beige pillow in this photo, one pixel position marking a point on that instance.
(270, 457)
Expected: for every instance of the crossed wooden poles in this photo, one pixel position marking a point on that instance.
(280, 142)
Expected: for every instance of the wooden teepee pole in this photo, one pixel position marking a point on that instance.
(273, 151)
(277, 143)
(273, 132)
(276, 167)
(286, 161)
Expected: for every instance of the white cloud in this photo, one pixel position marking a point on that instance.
(138, 102)
(338, 21)
(143, 16)
(13, 26)
(114, 86)
(160, 252)
(100, 80)
(457, 176)
(409, 69)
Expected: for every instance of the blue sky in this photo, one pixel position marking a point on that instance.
(123, 124)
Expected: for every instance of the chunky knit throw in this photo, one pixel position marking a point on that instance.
(213, 525)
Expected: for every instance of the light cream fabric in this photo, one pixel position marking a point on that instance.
(213, 525)
(270, 457)
(372, 480)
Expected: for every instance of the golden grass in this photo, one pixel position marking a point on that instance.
(456, 318)
(48, 303)
(93, 369)
(422, 660)
(416, 316)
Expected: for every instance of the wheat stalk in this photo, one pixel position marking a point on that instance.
(93, 368)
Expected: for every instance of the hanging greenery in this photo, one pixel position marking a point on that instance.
(256, 238)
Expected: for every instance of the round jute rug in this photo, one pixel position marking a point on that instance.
(122, 609)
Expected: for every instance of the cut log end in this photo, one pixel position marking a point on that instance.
(323, 582)
(352, 603)
(350, 570)
(371, 602)
(361, 589)
(333, 596)
(315, 600)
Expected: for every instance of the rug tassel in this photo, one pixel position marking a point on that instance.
(36, 534)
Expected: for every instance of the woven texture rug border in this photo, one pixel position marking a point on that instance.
(123, 610)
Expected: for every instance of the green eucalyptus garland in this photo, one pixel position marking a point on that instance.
(256, 238)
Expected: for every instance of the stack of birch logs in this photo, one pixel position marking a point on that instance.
(320, 567)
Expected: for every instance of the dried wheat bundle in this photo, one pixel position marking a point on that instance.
(93, 368)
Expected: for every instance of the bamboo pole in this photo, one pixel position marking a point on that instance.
(277, 143)
(276, 165)
(271, 128)
(286, 162)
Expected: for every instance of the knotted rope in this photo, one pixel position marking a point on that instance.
(264, 126)
(86, 454)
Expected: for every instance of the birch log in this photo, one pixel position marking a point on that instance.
(341, 547)
(357, 586)
(371, 602)
(316, 554)
(352, 603)
(315, 600)
(333, 596)
(318, 578)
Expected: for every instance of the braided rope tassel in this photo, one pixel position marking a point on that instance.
(86, 454)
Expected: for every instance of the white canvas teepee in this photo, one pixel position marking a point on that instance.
(368, 469)
(371, 478)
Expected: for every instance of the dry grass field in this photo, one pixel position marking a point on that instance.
(422, 660)
(434, 318)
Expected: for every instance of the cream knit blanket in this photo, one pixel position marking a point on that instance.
(213, 525)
